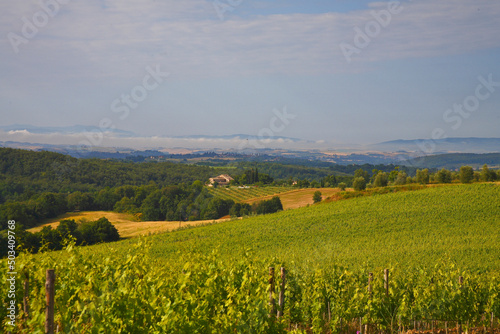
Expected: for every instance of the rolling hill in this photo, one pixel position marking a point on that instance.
(216, 278)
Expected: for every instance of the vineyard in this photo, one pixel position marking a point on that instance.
(441, 247)
(238, 194)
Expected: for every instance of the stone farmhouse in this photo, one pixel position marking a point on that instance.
(222, 180)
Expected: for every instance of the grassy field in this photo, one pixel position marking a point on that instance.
(126, 224)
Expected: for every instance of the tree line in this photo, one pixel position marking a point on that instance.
(362, 179)
(147, 203)
(85, 233)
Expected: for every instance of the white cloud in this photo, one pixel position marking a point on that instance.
(112, 40)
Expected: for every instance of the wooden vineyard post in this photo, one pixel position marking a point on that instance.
(492, 321)
(281, 301)
(49, 299)
(271, 291)
(370, 279)
(460, 283)
(386, 282)
(26, 306)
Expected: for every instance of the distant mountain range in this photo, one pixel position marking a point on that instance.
(447, 145)
(448, 153)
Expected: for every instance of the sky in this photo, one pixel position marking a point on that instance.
(332, 73)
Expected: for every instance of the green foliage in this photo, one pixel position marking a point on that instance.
(488, 175)
(98, 231)
(466, 174)
(269, 206)
(317, 196)
(362, 173)
(422, 176)
(401, 179)
(86, 233)
(217, 208)
(342, 186)
(359, 183)
(381, 180)
(240, 210)
(443, 176)
(175, 282)
(26, 173)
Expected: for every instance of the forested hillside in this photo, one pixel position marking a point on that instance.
(25, 173)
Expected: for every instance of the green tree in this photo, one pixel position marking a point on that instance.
(106, 199)
(423, 176)
(269, 206)
(150, 207)
(125, 205)
(359, 183)
(98, 231)
(466, 174)
(342, 186)
(443, 176)
(50, 205)
(362, 173)
(317, 197)
(79, 201)
(240, 210)
(381, 179)
(488, 175)
(401, 178)
(394, 174)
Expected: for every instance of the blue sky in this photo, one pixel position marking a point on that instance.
(234, 66)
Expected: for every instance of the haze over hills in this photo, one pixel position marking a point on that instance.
(104, 136)
(92, 141)
(445, 145)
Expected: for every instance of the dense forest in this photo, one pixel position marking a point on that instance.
(26, 173)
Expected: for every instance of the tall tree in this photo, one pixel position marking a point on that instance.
(466, 174)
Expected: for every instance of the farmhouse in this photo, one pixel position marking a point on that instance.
(222, 180)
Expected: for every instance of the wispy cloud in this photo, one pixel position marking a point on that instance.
(107, 39)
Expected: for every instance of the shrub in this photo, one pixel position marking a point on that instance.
(317, 197)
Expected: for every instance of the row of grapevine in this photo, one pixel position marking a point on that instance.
(242, 194)
(133, 292)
